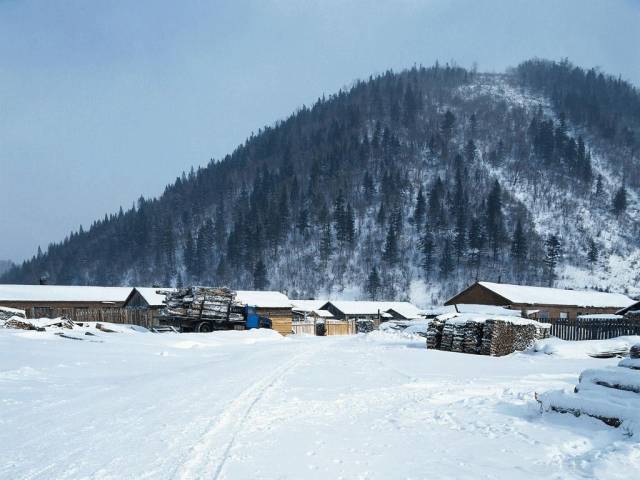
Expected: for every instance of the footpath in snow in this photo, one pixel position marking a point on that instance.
(255, 405)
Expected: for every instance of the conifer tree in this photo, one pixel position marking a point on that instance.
(260, 281)
(494, 218)
(552, 256)
(390, 253)
(519, 246)
(592, 252)
(326, 243)
(373, 284)
(446, 260)
(420, 209)
(427, 247)
(619, 203)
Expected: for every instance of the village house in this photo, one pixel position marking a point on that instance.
(146, 298)
(542, 302)
(272, 304)
(632, 310)
(304, 310)
(372, 310)
(78, 303)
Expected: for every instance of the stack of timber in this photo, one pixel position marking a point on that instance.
(446, 341)
(434, 333)
(202, 303)
(38, 324)
(610, 394)
(473, 334)
(484, 336)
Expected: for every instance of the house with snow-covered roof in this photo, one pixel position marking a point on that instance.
(272, 304)
(147, 297)
(80, 303)
(310, 309)
(371, 310)
(542, 302)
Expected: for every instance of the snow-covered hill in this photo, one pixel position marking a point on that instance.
(408, 185)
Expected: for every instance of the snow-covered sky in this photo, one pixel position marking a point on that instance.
(101, 102)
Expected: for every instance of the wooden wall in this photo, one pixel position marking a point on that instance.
(281, 318)
(87, 312)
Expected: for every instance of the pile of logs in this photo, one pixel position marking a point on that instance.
(434, 334)
(610, 394)
(484, 337)
(38, 324)
(6, 313)
(202, 303)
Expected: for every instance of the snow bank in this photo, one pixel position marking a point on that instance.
(609, 394)
(580, 349)
(406, 328)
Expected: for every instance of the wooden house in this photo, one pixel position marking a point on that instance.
(632, 311)
(371, 310)
(146, 298)
(272, 304)
(78, 303)
(309, 309)
(542, 302)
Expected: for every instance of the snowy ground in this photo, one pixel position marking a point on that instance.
(255, 405)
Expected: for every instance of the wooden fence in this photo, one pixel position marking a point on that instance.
(592, 328)
(339, 327)
(303, 327)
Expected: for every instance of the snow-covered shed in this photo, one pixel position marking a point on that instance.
(549, 302)
(371, 310)
(310, 309)
(81, 303)
(632, 310)
(146, 297)
(272, 304)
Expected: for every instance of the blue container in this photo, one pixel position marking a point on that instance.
(252, 318)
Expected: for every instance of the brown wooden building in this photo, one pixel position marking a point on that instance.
(542, 302)
(78, 303)
(272, 304)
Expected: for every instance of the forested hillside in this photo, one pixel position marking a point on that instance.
(408, 184)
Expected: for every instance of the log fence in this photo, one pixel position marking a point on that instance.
(592, 328)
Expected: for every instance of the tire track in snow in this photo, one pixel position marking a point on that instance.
(212, 451)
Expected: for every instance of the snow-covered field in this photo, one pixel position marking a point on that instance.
(251, 405)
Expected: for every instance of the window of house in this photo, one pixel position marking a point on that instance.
(563, 314)
(543, 314)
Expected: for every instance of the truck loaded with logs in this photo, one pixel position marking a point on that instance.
(205, 309)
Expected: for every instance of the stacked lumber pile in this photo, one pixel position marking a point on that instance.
(502, 337)
(478, 335)
(434, 333)
(610, 394)
(203, 303)
(446, 341)
(473, 337)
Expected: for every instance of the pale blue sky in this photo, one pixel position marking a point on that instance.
(101, 101)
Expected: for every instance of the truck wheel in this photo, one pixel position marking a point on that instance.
(204, 327)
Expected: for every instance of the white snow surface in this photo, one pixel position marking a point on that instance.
(557, 296)
(12, 311)
(62, 293)
(236, 405)
(580, 349)
(263, 299)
